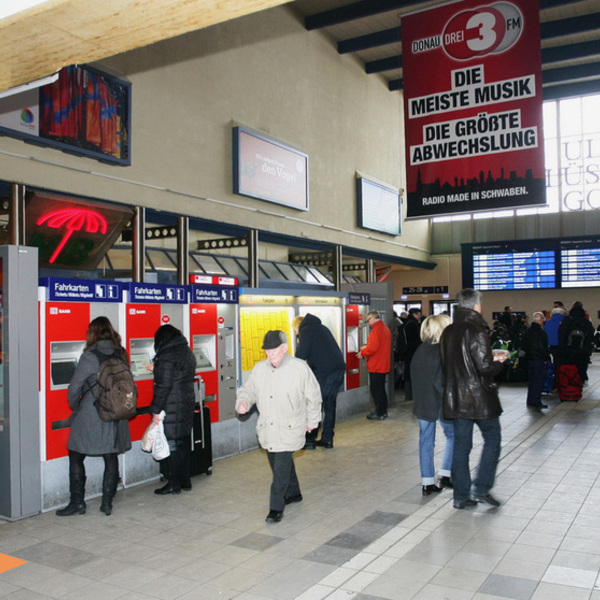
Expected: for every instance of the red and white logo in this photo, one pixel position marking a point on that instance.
(485, 30)
(165, 319)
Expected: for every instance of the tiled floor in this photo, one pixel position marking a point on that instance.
(363, 531)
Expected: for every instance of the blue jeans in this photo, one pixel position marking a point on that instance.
(427, 447)
(463, 443)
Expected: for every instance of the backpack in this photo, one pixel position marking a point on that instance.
(116, 392)
(576, 338)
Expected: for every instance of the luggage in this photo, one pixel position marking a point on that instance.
(549, 383)
(568, 383)
(201, 460)
(201, 454)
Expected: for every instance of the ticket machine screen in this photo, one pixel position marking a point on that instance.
(64, 357)
(141, 354)
(204, 350)
(202, 361)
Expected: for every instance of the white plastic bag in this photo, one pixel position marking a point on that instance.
(148, 438)
(160, 446)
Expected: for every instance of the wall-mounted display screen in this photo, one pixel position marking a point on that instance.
(580, 262)
(269, 170)
(85, 112)
(519, 265)
(532, 264)
(379, 207)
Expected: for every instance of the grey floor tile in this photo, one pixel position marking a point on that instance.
(504, 586)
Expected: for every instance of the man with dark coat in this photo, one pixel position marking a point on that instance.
(412, 332)
(317, 346)
(537, 353)
(576, 339)
(471, 398)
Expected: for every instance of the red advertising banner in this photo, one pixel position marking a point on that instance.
(473, 107)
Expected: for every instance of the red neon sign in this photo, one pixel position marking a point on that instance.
(73, 219)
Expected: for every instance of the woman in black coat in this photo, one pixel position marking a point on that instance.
(174, 372)
(428, 380)
(90, 435)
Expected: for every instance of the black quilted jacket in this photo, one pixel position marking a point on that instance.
(174, 371)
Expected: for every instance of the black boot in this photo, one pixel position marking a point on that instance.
(76, 505)
(109, 489)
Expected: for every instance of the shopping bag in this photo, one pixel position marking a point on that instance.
(160, 446)
(148, 438)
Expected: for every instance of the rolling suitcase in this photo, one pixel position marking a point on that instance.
(201, 439)
(201, 459)
(568, 383)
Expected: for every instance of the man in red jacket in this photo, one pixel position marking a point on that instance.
(378, 352)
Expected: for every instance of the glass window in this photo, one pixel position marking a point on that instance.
(161, 260)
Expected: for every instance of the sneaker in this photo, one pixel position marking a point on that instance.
(485, 498)
(375, 417)
(460, 504)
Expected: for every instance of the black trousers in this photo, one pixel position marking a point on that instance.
(285, 482)
(377, 387)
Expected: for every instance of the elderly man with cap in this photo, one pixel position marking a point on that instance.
(288, 398)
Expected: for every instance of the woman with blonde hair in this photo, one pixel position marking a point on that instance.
(428, 392)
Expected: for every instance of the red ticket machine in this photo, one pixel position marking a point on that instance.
(213, 339)
(66, 307)
(148, 307)
(355, 369)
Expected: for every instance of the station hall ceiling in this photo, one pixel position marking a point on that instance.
(38, 41)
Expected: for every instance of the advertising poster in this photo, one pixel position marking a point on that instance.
(473, 107)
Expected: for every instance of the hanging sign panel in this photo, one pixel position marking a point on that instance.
(473, 107)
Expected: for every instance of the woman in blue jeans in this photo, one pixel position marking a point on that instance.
(427, 377)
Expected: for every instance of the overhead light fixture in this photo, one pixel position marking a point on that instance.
(32, 85)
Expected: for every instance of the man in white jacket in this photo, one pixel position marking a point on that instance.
(288, 398)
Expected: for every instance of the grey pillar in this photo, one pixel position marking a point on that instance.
(252, 258)
(337, 268)
(17, 215)
(183, 250)
(139, 245)
(370, 268)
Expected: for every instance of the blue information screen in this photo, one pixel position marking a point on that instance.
(515, 270)
(580, 267)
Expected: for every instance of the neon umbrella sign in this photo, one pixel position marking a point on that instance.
(73, 219)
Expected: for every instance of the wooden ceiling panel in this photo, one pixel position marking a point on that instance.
(41, 40)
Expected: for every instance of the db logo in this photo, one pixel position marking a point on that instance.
(485, 30)
(221, 320)
(165, 319)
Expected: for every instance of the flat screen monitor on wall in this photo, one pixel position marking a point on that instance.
(379, 206)
(267, 169)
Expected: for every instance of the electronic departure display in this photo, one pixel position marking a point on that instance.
(532, 264)
(580, 263)
(515, 270)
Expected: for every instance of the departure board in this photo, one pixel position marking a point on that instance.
(580, 263)
(515, 270)
(532, 264)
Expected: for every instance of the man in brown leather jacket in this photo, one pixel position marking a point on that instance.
(471, 397)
